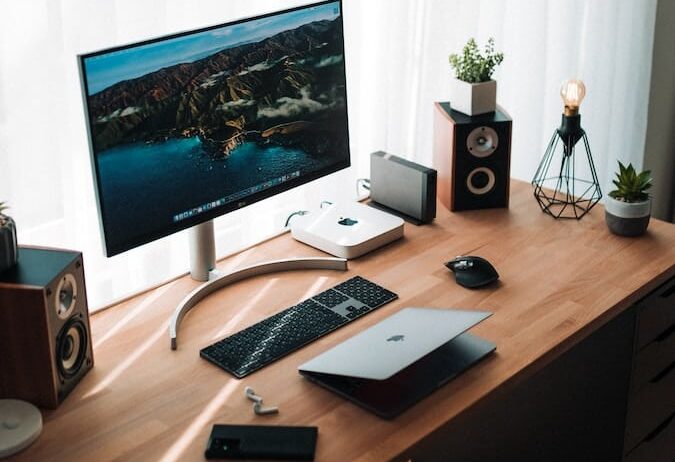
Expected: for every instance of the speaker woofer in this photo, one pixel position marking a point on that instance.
(481, 180)
(482, 141)
(66, 296)
(71, 347)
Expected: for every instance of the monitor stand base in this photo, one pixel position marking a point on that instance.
(221, 280)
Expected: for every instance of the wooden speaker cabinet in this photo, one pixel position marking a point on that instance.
(472, 155)
(45, 339)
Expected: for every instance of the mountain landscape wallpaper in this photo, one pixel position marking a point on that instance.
(188, 123)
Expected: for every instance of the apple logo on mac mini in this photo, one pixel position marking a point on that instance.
(396, 338)
(347, 221)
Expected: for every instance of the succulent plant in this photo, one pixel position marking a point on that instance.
(631, 186)
(474, 67)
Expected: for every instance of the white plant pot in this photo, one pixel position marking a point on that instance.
(473, 98)
(627, 218)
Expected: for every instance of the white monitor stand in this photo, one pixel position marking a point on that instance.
(202, 251)
(203, 268)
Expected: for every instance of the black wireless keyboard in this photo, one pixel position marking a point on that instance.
(272, 338)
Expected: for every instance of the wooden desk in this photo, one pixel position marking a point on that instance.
(560, 282)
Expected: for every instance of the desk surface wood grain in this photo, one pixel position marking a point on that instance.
(560, 280)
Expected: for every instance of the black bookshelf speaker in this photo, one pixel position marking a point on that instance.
(45, 338)
(472, 155)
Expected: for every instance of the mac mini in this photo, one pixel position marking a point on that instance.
(347, 230)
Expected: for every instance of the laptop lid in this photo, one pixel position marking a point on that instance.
(394, 343)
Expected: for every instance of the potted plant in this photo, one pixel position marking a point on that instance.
(628, 207)
(8, 251)
(473, 91)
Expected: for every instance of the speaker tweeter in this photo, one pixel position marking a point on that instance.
(482, 142)
(65, 296)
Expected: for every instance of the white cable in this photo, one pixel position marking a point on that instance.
(365, 184)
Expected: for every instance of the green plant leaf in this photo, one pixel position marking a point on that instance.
(630, 170)
(631, 186)
(472, 66)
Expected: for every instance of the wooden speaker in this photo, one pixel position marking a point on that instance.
(45, 337)
(472, 156)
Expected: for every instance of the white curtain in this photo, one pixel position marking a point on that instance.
(397, 61)
(606, 43)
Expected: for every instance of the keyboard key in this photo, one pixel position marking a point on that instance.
(330, 298)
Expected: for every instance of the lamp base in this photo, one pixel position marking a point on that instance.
(570, 129)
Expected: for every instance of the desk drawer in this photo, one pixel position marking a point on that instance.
(658, 446)
(656, 314)
(653, 359)
(650, 406)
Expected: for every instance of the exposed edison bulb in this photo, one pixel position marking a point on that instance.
(572, 92)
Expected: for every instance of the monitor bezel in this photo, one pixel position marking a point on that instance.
(226, 208)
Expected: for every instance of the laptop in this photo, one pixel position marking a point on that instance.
(392, 365)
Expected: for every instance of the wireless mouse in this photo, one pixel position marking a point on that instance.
(472, 271)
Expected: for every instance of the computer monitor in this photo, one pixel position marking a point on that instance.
(187, 127)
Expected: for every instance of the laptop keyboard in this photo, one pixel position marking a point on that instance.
(280, 334)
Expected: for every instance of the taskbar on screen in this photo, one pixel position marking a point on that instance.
(234, 197)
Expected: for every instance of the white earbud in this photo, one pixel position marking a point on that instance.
(258, 409)
(257, 403)
(250, 394)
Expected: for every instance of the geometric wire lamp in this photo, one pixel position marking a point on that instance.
(564, 186)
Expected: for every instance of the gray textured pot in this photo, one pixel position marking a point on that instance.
(8, 252)
(627, 218)
(473, 98)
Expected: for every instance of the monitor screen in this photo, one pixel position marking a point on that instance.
(187, 127)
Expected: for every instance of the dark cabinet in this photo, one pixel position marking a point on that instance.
(650, 418)
(611, 397)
